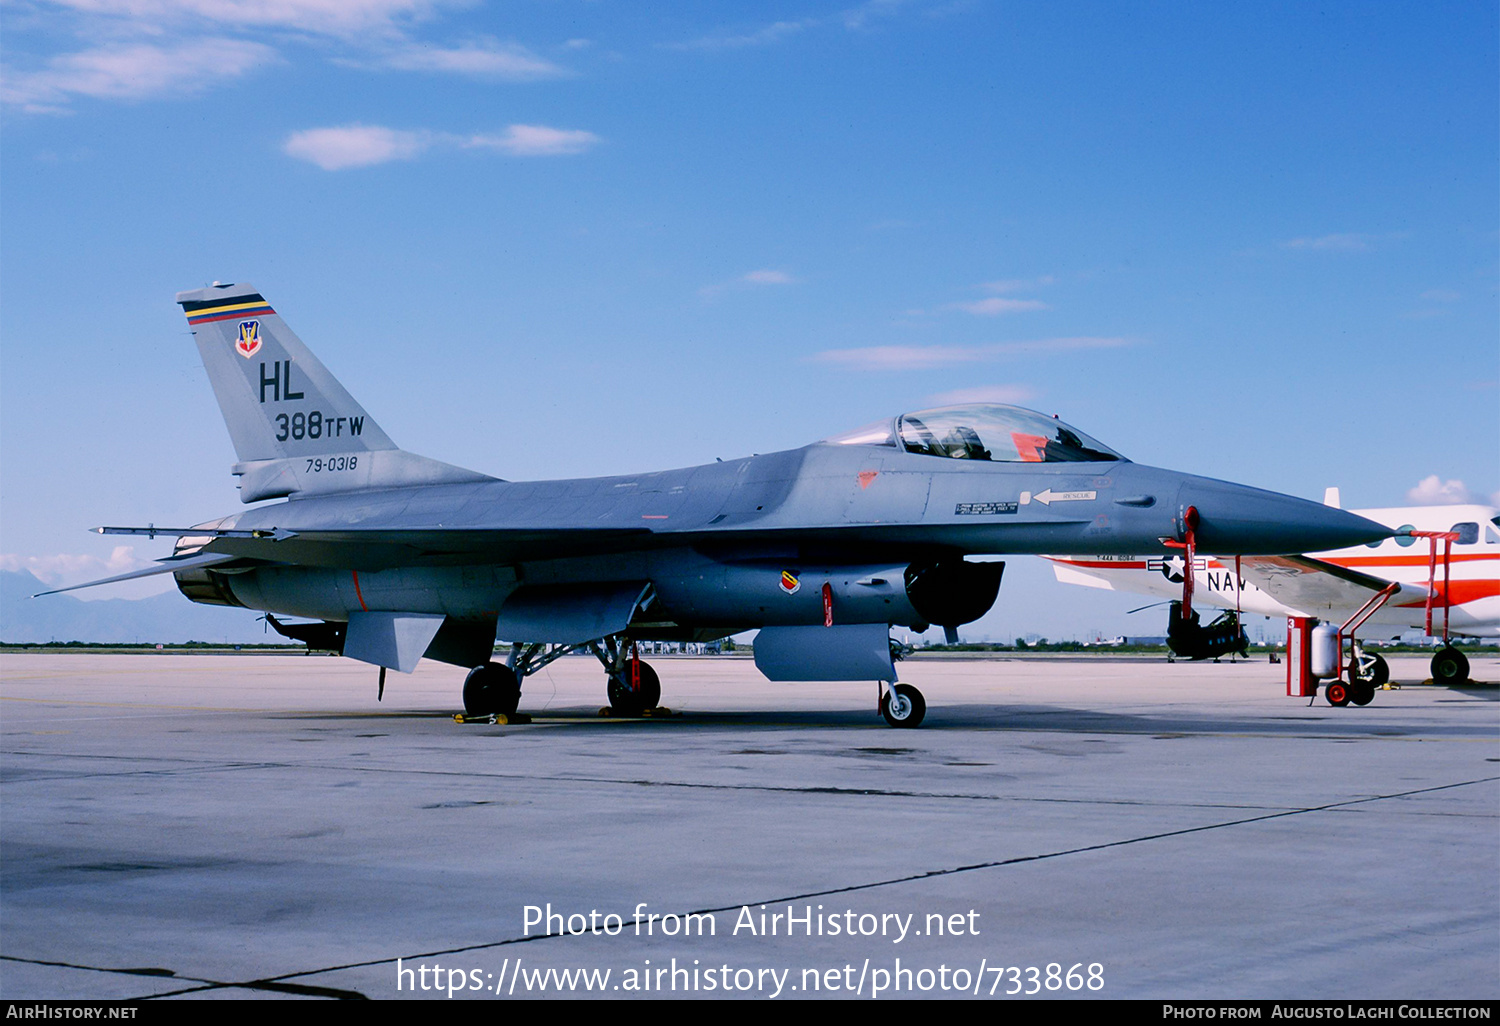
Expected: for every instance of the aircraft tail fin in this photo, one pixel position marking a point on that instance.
(295, 429)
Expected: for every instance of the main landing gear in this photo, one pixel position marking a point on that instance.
(631, 685)
(492, 689)
(1450, 666)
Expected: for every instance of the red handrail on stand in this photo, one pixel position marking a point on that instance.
(1383, 596)
(1449, 537)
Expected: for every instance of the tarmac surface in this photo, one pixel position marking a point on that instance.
(259, 826)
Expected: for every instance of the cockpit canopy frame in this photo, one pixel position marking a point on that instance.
(990, 432)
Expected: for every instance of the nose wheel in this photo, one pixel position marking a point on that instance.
(903, 706)
(1368, 668)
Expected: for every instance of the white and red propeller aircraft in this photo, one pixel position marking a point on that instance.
(1454, 577)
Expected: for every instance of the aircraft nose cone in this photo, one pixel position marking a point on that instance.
(1235, 519)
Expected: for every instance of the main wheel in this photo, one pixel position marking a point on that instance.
(1375, 675)
(491, 689)
(1361, 692)
(903, 706)
(1450, 666)
(1337, 693)
(628, 701)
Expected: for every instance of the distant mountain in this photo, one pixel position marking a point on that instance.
(159, 619)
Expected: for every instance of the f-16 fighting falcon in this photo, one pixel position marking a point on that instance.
(395, 556)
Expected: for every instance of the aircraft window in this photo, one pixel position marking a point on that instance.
(1468, 532)
(1002, 434)
(1403, 535)
(1492, 532)
(879, 433)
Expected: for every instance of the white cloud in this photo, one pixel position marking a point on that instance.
(763, 276)
(535, 141)
(1442, 295)
(772, 33)
(132, 72)
(902, 357)
(859, 16)
(995, 305)
(1008, 285)
(341, 18)
(928, 357)
(768, 278)
(346, 146)
(853, 19)
(334, 149)
(1062, 345)
(487, 59)
(1432, 491)
(985, 394)
(1346, 242)
(68, 568)
(198, 54)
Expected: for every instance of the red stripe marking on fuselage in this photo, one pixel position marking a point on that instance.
(1413, 560)
(1101, 565)
(357, 593)
(1460, 592)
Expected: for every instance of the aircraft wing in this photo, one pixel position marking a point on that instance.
(376, 548)
(1316, 585)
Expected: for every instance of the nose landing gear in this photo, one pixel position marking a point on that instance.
(902, 705)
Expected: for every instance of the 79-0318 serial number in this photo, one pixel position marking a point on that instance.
(319, 464)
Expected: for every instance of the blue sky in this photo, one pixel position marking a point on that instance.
(555, 238)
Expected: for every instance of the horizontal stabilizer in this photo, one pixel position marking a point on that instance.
(1067, 575)
(167, 566)
(346, 472)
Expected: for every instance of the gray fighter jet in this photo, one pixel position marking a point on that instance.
(395, 556)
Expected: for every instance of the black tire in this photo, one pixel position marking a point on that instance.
(491, 689)
(1337, 693)
(1361, 693)
(907, 710)
(1450, 666)
(1378, 673)
(626, 701)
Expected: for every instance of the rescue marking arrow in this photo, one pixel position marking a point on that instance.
(1048, 497)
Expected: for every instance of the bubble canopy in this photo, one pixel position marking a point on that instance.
(983, 431)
